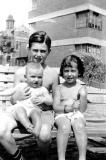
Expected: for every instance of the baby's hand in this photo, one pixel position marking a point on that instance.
(37, 100)
(30, 129)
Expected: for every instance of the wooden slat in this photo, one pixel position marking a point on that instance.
(97, 98)
(97, 145)
(93, 90)
(9, 69)
(5, 85)
(95, 111)
(95, 132)
(97, 149)
(6, 81)
(6, 77)
(5, 98)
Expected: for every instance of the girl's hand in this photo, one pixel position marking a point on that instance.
(68, 108)
(69, 105)
(76, 105)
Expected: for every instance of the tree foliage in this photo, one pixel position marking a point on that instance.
(95, 71)
(6, 44)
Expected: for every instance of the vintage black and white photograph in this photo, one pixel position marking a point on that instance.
(53, 80)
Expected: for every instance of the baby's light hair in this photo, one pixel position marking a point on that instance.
(33, 65)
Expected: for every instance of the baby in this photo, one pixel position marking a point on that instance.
(32, 107)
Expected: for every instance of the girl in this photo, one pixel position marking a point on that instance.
(70, 101)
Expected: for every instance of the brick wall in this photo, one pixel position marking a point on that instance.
(44, 6)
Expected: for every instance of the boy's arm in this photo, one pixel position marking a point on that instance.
(83, 99)
(56, 81)
(58, 108)
(47, 98)
(14, 97)
(23, 92)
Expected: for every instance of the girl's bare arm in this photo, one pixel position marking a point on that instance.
(83, 99)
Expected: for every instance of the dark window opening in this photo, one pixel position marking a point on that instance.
(89, 19)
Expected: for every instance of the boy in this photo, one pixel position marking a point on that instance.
(39, 49)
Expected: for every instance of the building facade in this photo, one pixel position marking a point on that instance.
(21, 35)
(18, 40)
(73, 25)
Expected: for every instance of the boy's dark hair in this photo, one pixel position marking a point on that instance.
(67, 63)
(40, 37)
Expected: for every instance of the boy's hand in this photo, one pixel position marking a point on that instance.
(23, 92)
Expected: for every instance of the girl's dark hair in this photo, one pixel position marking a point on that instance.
(40, 37)
(67, 63)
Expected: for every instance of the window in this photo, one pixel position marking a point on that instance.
(8, 58)
(89, 19)
(81, 19)
(90, 49)
(17, 45)
(34, 4)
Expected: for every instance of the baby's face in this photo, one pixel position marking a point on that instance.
(34, 77)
